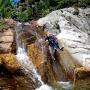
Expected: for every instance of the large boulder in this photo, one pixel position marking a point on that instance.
(73, 31)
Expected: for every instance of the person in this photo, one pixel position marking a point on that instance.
(53, 42)
(53, 45)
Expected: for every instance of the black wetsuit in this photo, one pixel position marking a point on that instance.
(53, 42)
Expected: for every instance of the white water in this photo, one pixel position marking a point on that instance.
(45, 87)
(26, 63)
(65, 85)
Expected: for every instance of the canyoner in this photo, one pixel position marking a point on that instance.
(53, 44)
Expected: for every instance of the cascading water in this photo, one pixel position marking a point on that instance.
(26, 63)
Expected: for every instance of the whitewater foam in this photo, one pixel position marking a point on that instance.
(44, 87)
(65, 85)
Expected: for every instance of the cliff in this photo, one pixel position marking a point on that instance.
(72, 31)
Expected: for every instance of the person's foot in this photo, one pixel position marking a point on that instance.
(61, 48)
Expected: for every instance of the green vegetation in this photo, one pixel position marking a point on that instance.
(34, 9)
(5, 8)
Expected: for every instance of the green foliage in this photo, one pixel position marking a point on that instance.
(83, 3)
(24, 16)
(34, 9)
(5, 8)
(43, 7)
(66, 3)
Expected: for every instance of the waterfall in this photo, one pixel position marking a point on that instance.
(25, 61)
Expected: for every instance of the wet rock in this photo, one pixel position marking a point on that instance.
(47, 74)
(43, 62)
(35, 54)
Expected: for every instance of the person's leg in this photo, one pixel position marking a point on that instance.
(52, 51)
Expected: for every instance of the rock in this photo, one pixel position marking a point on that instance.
(7, 27)
(81, 73)
(50, 22)
(6, 40)
(76, 10)
(10, 22)
(73, 33)
(35, 54)
(9, 61)
(8, 45)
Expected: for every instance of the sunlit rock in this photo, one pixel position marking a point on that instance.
(35, 54)
(9, 61)
(74, 33)
(6, 40)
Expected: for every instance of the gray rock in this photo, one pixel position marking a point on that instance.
(73, 32)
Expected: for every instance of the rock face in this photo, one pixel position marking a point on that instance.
(9, 62)
(6, 41)
(8, 44)
(73, 31)
(6, 35)
(8, 59)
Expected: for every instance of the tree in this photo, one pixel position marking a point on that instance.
(25, 10)
(5, 8)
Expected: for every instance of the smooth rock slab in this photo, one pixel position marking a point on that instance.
(74, 34)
